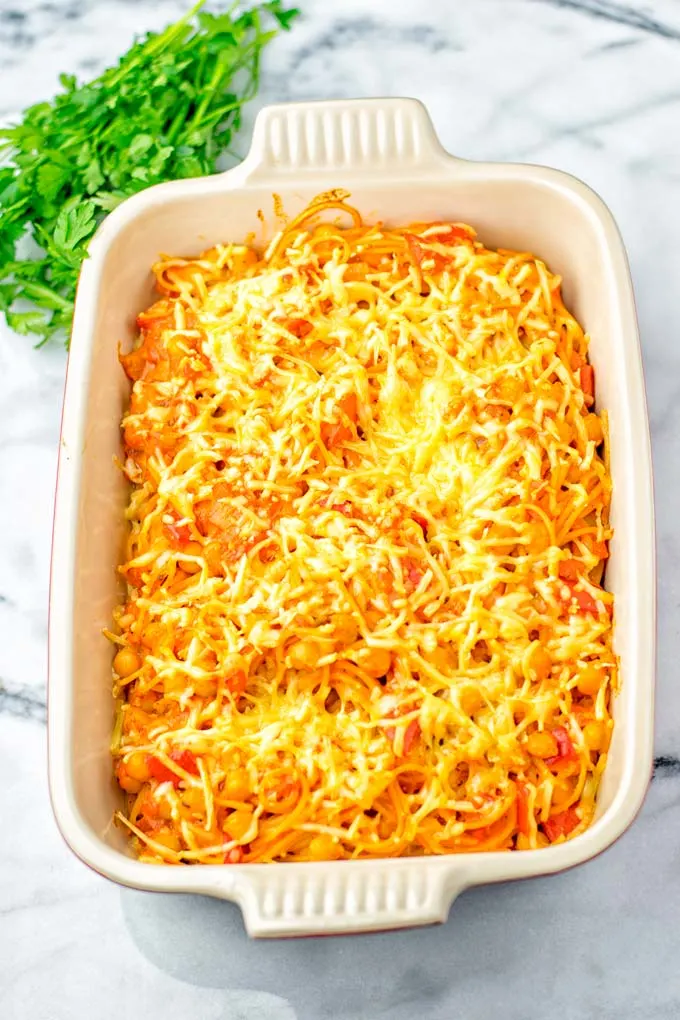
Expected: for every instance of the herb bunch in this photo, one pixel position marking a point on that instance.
(167, 110)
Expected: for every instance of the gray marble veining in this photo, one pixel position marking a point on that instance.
(590, 86)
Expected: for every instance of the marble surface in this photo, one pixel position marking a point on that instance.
(592, 87)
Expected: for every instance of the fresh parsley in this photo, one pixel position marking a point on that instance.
(167, 110)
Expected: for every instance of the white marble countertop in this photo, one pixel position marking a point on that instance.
(589, 86)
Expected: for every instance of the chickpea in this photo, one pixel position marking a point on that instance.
(135, 719)
(539, 662)
(237, 785)
(126, 781)
(205, 686)
(441, 658)
(304, 654)
(213, 557)
(153, 635)
(471, 700)
(557, 392)
(510, 389)
(345, 629)
(386, 828)
(207, 837)
(126, 662)
(502, 532)
(137, 766)
(237, 824)
(173, 684)
(376, 661)
(374, 618)
(594, 428)
(194, 799)
(208, 659)
(168, 838)
(539, 537)
(590, 680)
(575, 473)
(596, 736)
(147, 701)
(240, 259)
(164, 809)
(234, 663)
(565, 431)
(541, 744)
(191, 549)
(323, 848)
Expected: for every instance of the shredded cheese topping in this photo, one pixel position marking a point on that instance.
(368, 526)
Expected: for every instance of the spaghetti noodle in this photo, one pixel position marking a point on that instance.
(368, 526)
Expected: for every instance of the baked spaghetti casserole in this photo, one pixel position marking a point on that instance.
(367, 531)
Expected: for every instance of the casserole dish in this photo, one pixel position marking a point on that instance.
(386, 154)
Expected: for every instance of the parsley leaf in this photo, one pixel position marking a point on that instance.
(168, 109)
(75, 223)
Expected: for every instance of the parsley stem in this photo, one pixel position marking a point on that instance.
(51, 299)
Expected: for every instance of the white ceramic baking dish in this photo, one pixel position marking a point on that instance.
(385, 152)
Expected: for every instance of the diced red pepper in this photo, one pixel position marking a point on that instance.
(599, 549)
(298, 327)
(134, 576)
(570, 570)
(334, 433)
(562, 824)
(456, 232)
(584, 600)
(149, 351)
(180, 533)
(587, 378)
(348, 405)
(160, 771)
(236, 683)
(420, 252)
(186, 760)
(567, 751)
(522, 809)
(421, 521)
(343, 508)
(411, 735)
(413, 575)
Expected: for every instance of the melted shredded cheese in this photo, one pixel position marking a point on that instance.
(368, 526)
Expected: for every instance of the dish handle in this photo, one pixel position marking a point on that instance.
(342, 897)
(370, 136)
